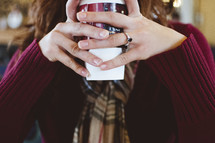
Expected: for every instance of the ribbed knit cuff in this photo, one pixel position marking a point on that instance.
(185, 72)
(24, 83)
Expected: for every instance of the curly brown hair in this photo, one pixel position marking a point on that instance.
(45, 14)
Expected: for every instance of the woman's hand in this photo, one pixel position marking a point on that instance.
(59, 44)
(149, 37)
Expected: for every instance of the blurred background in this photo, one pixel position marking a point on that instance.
(13, 15)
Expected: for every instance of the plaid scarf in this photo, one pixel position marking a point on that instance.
(103, 118)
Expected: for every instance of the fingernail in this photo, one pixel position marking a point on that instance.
(103, 66)
(97, 62)
(83, 44)
(81, 15)
(104, 34)
(84, 73)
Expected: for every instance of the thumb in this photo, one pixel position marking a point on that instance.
(71, 10)
(133, 7)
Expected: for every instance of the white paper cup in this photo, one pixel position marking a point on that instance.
(108, 53)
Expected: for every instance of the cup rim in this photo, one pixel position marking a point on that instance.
(83, 2)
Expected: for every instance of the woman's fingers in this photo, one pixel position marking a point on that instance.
(72, 48)
(112, 18)
(114, 40)
(71, 63)
(55, 46)
(120, 60)
(133, 8)
(71, 9)
(81, 29)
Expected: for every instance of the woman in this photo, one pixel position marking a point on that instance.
(172, 99)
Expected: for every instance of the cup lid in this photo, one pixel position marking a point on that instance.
(101, 1)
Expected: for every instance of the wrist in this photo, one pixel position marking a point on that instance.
(177, 39)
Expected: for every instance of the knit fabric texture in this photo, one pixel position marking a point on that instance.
(172, 100)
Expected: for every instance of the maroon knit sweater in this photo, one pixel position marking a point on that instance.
(172, 100)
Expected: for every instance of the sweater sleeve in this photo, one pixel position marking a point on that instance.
(188, 73)
(20, 89)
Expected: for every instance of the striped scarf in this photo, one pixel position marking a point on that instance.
(103, 118)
